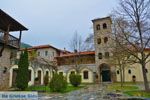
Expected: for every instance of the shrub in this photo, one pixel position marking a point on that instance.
(58, 83)
(46, 80)
(23, 72)
(75, 79)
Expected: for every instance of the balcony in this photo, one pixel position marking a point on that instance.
(12, 41)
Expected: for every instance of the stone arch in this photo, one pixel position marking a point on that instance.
(47, 72)
(13, 74)
(31, 82)
(62, 72)
(69, 72)
(105, 72)
(40, 75)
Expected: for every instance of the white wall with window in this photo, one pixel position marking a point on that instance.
(48, 53)
(87, 75)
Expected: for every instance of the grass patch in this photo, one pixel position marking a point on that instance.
(126, 83)
(48, 90)
(124, 88)
(138, 93)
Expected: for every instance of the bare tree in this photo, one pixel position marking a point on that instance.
(135, 37)
(76, 46)
(88, 44)
(76, 42)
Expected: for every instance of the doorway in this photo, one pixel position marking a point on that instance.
(105, 73)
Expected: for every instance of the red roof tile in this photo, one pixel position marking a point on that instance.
(41, 47)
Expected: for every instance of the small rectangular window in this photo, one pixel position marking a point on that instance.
(85, 75)
(53, 54)
(72, 72)
(106, 54)
(100, 55)
(46, 53)
(38, 53)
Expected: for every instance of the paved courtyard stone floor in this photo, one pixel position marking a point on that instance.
(92, 92)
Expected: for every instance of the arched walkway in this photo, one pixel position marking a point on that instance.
(40, 76)
(13, 75)
(105, 73)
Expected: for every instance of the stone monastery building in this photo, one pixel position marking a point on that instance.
(93, 66)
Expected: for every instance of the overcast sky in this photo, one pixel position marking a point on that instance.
(55, 21)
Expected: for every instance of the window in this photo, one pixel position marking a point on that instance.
(117, 71)
(53, 54)
(47, 73)
(105, 39)
(129, 71)
(99, 41)
(106, 54)
(61, 73)
(98, 27)
(72, 72)
(29, 75)
(100, 55)
(46, 53)
(104, 26)
(146, 70)
(85, 75)
(38, 53)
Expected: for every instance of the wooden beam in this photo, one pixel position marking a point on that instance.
(20, 35)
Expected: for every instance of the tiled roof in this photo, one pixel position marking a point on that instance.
(41, 47)
(147, 49)
(80, 53)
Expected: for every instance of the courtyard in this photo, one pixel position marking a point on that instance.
(97, 92)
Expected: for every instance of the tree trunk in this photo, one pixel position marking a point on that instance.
(146, 84)
(121, 79)
(123, 76)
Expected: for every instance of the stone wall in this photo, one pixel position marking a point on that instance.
(5, 64)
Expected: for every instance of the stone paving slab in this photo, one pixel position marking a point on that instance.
(92, 92)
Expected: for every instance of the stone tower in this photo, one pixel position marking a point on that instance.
(103, 42)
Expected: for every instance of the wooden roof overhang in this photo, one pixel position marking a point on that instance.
(6, 20)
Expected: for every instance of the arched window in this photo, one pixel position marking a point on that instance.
(129, 71)
(100, 55)
(99, 41)
(72, 72)
(60, 73)
(85, 75)
(104, 26)
(47, 73)
(98, 27)
(105, 39)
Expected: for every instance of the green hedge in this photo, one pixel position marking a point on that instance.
(58, 83)
(75, 79)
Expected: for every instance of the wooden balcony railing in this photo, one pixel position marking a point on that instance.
(12, 41)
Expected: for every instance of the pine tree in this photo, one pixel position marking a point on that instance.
(23, 72)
